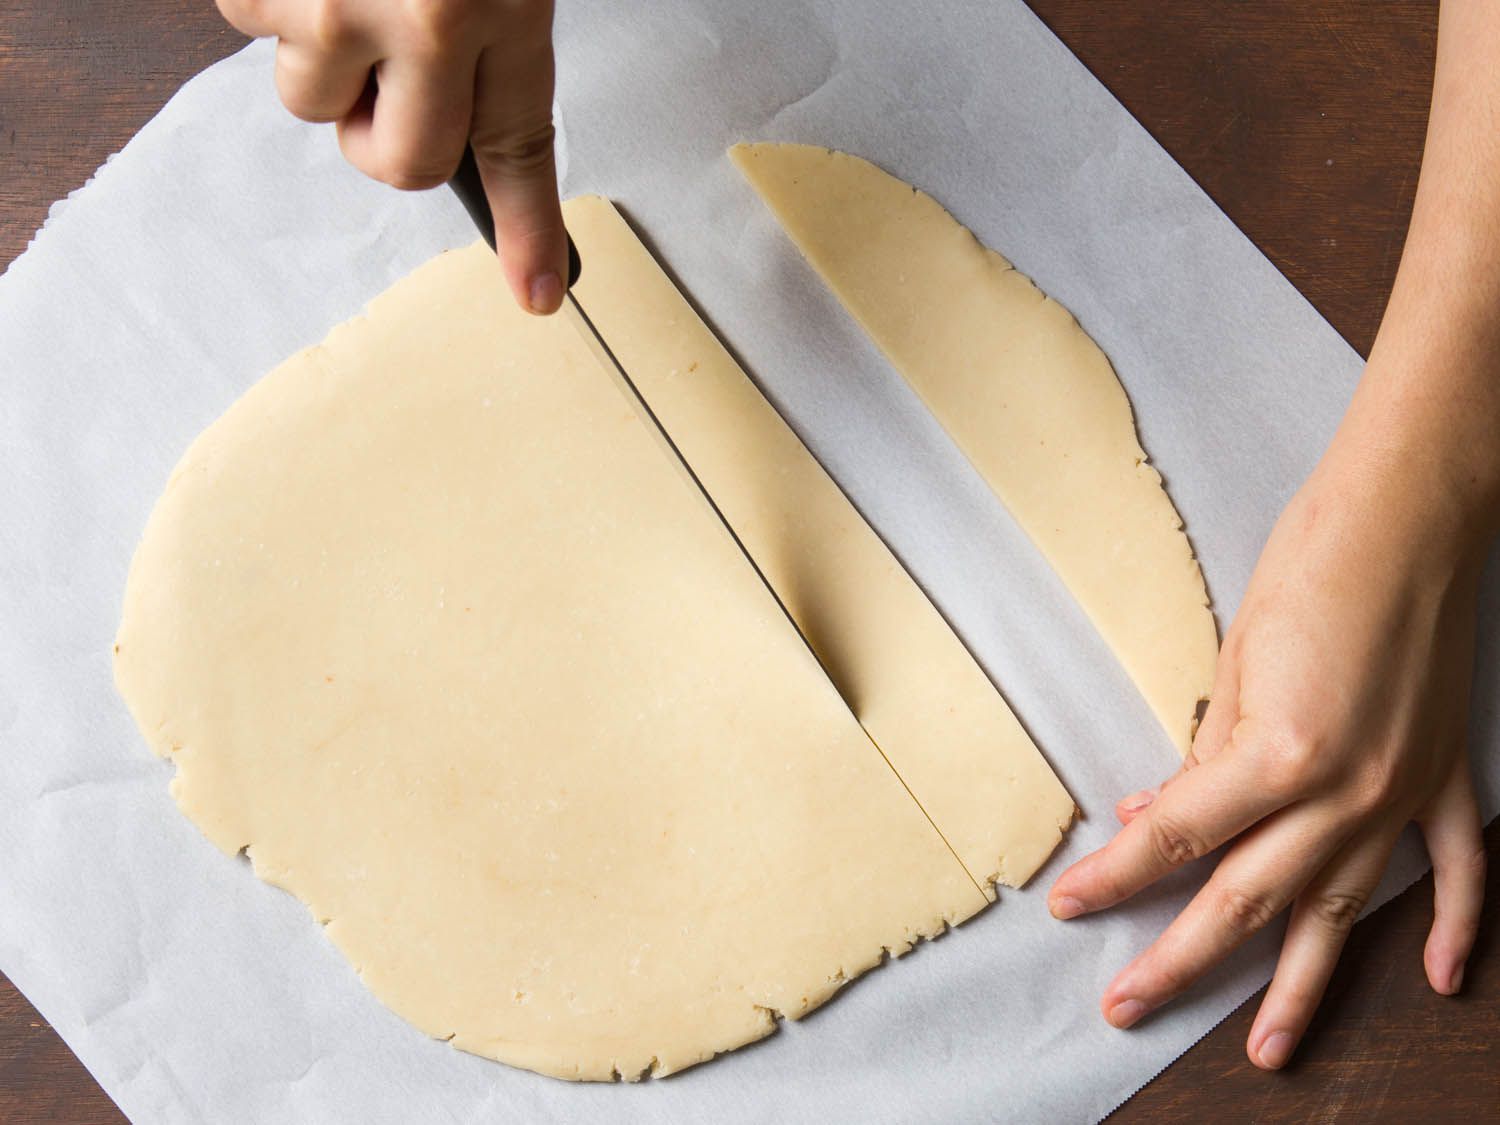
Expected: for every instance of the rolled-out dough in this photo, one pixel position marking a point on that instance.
(915, 687)
(435, 632)
(1025, 393)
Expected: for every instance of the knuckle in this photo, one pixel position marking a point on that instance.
(1300, 993)
(524, 153)
(303, 108)
(1375, 787)
(330, 25)
(1165, 976)
(1245, 911)
(416, 163)
(1292, 760)
(1336, 911)
(438, 21)
(1173, 845)
(404, 167)
(407, 175)
(298, 92)
(242, 13)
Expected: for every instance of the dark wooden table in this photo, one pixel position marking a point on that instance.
(1303, 119)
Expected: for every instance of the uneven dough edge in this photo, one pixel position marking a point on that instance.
(1026, 395)
(161, 626)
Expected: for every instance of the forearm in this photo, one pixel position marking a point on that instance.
(1425, 422)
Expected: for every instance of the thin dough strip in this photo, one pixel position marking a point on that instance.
(929, 708)
(695, 485)
(1025, 393)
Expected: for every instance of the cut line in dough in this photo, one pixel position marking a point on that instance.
(926, 703)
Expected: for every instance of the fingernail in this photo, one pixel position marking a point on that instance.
(1137, 801)
(1066, 907)
(546, 293)
(1276, 1049)
(1126, 1013)
(1456, 981)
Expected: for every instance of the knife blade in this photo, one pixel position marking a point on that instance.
(574, 311)
(606, 357)
(469, 188)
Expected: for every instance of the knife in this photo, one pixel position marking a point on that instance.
(469, 188)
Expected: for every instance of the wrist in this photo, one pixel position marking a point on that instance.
(1425, 497)
(1425, 420)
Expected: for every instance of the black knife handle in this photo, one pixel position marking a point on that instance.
(469, 187)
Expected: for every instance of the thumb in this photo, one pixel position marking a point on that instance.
(1128, 808)
(512, 139)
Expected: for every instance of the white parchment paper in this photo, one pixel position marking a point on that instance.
(226, 235)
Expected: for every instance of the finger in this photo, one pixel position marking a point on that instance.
(1213, 733)
(1319, 926)
(1254, 883)
(412, 135)
(1223, 711)
(1200, 810)
(1455, 841)
(327, 25)
(321, 85)
(255, 18)
(1128, 808)
(513, 138)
